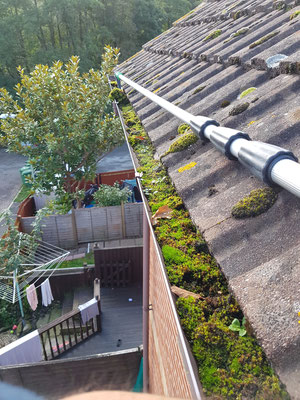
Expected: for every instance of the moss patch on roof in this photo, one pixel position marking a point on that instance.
(182, 143)
(183, 128)
(258, 202)
(263, 39)
(295, 15)
(239, 109)
(247, 91)
(213, 35)
(224, 103)
(199, 89)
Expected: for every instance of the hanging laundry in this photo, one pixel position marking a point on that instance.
(88, 310)
(46, 293)
(32, 296)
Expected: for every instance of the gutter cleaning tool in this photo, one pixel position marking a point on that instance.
(272, 164)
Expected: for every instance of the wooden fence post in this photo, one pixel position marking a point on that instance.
(74, 226)
(98, 298)
(123, 220)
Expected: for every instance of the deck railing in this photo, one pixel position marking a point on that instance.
(66, 332)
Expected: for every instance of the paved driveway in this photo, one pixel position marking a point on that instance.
(10, 180)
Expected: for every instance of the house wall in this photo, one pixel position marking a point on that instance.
(168, 371)
(90, 224)
(59, 378)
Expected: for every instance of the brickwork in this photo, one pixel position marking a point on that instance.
(168, 374)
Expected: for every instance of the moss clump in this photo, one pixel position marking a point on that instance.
(240, 32)
(247, 91)
(183, 128)
(225, 103)
(239, 109)
(263, 39)
(230, 367)
(295, 14)
(199, 89)
(213, 35)
(119, 96)
(237, 15)
(258, 202)
(182, 143)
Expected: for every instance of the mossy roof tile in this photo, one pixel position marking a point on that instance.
(180, 62)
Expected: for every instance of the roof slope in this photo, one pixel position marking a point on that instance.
(259, 256)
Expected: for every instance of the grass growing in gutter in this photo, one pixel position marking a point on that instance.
(230, 366)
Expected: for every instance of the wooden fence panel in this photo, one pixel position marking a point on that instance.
(59, 378)
(114, 222)
(133, 219)
(90, 224)
(64, 231)
(99, 223)
(84, 225)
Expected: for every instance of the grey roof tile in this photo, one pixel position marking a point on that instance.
(259, 256)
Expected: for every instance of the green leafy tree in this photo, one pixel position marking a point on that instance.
(41, 31)
(60, 121)
(16, 245)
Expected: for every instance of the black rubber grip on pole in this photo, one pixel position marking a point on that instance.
(205, 125)
(239, 135)
(281, 155)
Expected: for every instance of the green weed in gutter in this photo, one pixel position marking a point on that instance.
(230, 366)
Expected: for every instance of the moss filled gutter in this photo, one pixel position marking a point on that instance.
(230, 366)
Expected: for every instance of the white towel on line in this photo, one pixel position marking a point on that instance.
(46, 293)
(88, 310)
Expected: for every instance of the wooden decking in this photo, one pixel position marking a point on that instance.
(121, 323)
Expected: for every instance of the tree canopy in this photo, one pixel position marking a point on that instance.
(41, 31)
(61, 122)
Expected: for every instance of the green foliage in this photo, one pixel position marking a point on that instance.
(88, 259)
(14, 244)
(263, 39)
(119, 96)
(111, 195)
(60, 123)
(213, 35)
(237, 327)
(24, 192)
(34, 32)
(230, 366)
(9, 314)
(62, 203)
(247, 91)
(258, 202)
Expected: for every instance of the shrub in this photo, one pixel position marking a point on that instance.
(111, 195)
